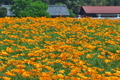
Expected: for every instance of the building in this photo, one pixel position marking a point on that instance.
(100, 11)
(58, 10)
(9, 13)
(53, 10)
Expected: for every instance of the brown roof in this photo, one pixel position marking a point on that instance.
(101, 9)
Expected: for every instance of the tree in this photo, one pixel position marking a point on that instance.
(74, 5)
(29, 8)
(3, 12)
(113, 2)
(46, 1)
(7, 2)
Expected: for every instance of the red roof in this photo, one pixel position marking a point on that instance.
(101, 9)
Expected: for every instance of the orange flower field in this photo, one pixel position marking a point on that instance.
(59, 49)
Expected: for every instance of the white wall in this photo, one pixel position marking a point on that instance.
(108, 15)
(9, 13)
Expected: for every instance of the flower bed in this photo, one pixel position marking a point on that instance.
(59, 49)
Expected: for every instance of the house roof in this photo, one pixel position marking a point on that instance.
(57, 10)
(101, 9)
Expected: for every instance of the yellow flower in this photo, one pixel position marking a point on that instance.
(55, 77)
(57, 61)
(32, 54)
(20, 66)
(13, 36)
(22, 47)
(1, 62)
(26, 74)
(44, 78)
(60, 76)
(19, 50)
(103, 53)
(107, 60)
(88, 56)
(50, 63)
(49, 68)
(14, 56)
(101, 69)
(46, 74)
(74, 71)
(111, 42)
(80, 48)
(52, 55)
(101, 57)
(61, 71)
(46, 60)
(108, 73)
(8, 73)
(4, 53)
(8, 49)
(32, 59)
(6, 78)
(75, 60)
(64, 56)
(3, 68)
(19, 71)
(80, 63)
(1, 42)
(118, 51)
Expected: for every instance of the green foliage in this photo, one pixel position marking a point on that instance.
(71, 4)
(59, 4)
(71, 13)
(7, 2)
(3, 12)
(29, 8)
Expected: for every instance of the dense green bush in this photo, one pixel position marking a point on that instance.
(72, 14)
(3, 12)
(29, 8)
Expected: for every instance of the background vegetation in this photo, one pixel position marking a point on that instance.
(29, 8)
(3, 12)
(74, 4)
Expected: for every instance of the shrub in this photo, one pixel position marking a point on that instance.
(3, 12)
(72, 14)
(29, 8)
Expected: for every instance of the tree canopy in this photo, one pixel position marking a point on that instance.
(78, 2)
(29, 8)
(71, 4)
